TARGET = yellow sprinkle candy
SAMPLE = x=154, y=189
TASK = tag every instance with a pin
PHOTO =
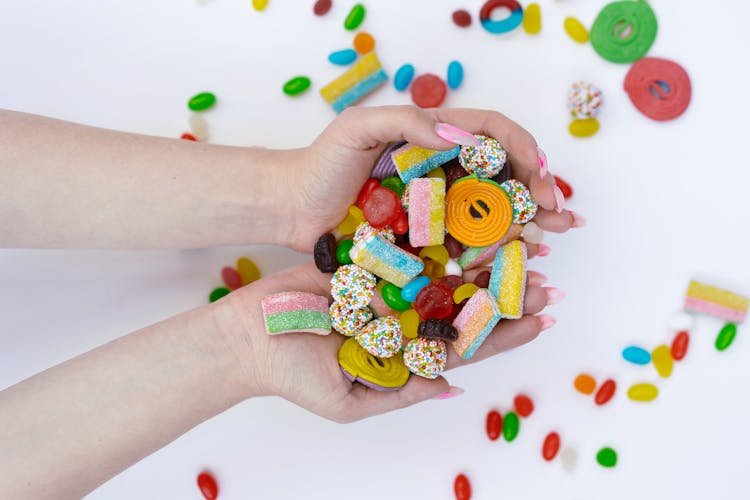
x=576, y=30
x=532, y=19
x=438, y=173
x=249, y=272
x=661, y=357
x=584, y=128
x=260, y=5
x=353, y=219
x=409, y=320
x=464, y=292
x=438, y=253
x=643, y=392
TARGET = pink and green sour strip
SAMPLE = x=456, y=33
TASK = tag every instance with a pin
x=288, y=312
x=475, y=322
x=426, y=212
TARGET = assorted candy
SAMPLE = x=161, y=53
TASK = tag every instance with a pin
x=658, y=88
x=584, y=103
x=245, y=273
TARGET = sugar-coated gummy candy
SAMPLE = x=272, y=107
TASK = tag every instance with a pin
x=486, y=160
x=363, y=42
x=532, y=233
x=392, y=296
x=208, y=485
x=231, y=278
x=636, y=355
x=394, y=183
x=296, y=85
x=352, y=285
x=260, y=5
x=494, y=425
x=437, y=329
x=462, y=487
x=438, y=253
x=434, y=301
x=455, y=74
x=202, y=101
x=464, y=292
x=287, y=312
x=605, y=392
x=607, y=457
x=680, y=345
x=364, y=230
x=354, y=217
x=426, y=357
x=585, y=384
x=428, y=91
x=569, y=459
x=726, y=336
x=523, y=405
x=361, y=79
x=584, y=100
x=381, y=207
x=624, y=42
x=342, y=57
x=532, y=19
x=381, y=337
x=643, y=392
x=322, y=7
x=342, y=251
x=551, y=446
x=482, y=280
x=218, y=293
x=584, y=128
x=325, y=253
x=409, y=321
x=403, y=77
x=576, y=30
x=188, y=137
x=355, y=17
x=348, y=320
x=511, y=426
x=198, y=126
x=567, y=191
x=461, y=18
x=661, y=356
x=410, y=291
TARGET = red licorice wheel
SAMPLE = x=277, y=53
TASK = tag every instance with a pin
x=428, y=91
x=659, y=88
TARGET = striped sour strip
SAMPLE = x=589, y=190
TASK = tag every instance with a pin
x=715, y=301
x=287, y=312
x=508, y=279
x=361, y=79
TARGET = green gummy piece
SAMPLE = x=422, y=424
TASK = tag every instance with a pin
x=342, y=252
x=296, y=85
x=297, y=320
x=218, y=293
x=511, y=425
x=607, y=457
x=610, y=23
x=726, y=336
x=355, y=17
x=395, y=184
x=202, y=101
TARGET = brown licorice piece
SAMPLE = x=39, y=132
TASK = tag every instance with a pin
x=437, y=329
x=325, y=253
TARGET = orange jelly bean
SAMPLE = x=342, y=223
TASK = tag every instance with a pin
x=585, y=384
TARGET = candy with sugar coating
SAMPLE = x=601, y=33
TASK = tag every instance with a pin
x=386, y=260
x=361, y=79
x=381, y=337
x=426, y=212
x=715, y=301
x=413, y=161
x=508, y=279
x=352, y=285
x=426, y=357
x=475, y=322
x=287, y=312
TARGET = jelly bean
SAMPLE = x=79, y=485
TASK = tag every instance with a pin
x=355, y=17
x=325, y=254
x=202, y=101
x=382, y=207
x=567, y=191
x=680, y=345
x=584, y=128
x=392, y=297
x=643, y=392
x=188, y=137
x=342, y=57
x=455, y=75
x=403, y=77
x=198, y=126
x=511, y=426
x=366, y=191
x=437, y=173
x=726, y=336
x=532, y=19
x=452, y=281
x=455, y=249
x=342, y=251
x=231, y=277
x=208, y=486
x=296, y=85
x=434, y=301
x=494, y=425
x=551, y=446
x=353, y=219
x=364, y=43
x=452, y=267
x=523, y=405
x=585, y=384
x=662, y=359
x=437, y=329
x=401, y=224
x=435, y=270
x=218, y=293
x=462, y=487
x=605, y=392
x=569, y=459
x=576, y=30
x=394, y=183
x=607, y=457
x=482, y=280
x=464, y=292
x=461, y=18
x=409, y=320
x=322, y=7
x=260, y=5
x=428, y=91
x=438, y=253
x=248, y=270
x=411, y=289
x=636, y=355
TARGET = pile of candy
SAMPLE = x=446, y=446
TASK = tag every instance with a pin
x=246, y=272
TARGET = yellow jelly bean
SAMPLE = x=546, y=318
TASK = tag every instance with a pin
x=249, y=272
x=260, y=5
x=584, y=128
x=464, y=291
x=643, y=392
x=532, y=19
x=438, y=253
x=438, y=173
x=353, y=218
x=661, y=357
x=576, y=30
x=409, y=320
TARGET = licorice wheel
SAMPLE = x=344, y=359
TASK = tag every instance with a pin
x=623, y=32
x=478, y=212
x=382, y=374
x=659, y=88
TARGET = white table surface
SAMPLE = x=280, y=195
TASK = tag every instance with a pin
x=665, y=202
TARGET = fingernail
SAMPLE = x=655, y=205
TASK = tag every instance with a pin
x=578, y=219
x=454, y=391
x=455, y=135
x=536, y=279
x=544, y=250
x=554, y=295
x=547, y=321
x=542, y=162
x=559, y=200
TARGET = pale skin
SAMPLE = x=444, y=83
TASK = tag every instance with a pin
x=70, y=428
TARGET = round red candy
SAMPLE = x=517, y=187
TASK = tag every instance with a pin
x=567, y=191
x=658, y=88
x=462, y=18
x=434, y=301
x=208, y=486
x=494, y=425
x=381, y=207
x=364, y=193
x=524, y=405
x=452, y=281
x=462, y=487
x=428, y=91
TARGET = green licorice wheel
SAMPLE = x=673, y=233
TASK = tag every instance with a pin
x=624, y=31
x=202, y=101
x=296, y=85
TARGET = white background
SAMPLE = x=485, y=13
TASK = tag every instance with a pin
x=665, y=202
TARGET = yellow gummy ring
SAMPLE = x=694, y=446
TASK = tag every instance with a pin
x=387, y=373
x=478, y=213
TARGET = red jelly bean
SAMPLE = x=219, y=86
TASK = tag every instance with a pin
x=567, y=191
x=462, y=18
x=452, y=281
x=382, y=207
x=551, y=446
x=482, y=279
x=428, y=91
x=231, y=277
x=188, y=137
x=524, y=405
x=401, y=224
x=364, y=193
x=322, y=7
x=434, y=301
x=494, y=425
x=462, y=487
x=605, y=392
x=680, y=345
x=208, y=486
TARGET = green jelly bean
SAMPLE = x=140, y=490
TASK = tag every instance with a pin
x=218, y=293
x=202, y=101
x=511, y=425
x=394, y=183
x=342, y=252
x=296, y=85
x=726, y=336
x=355, y=17
x=392, y=297
x=607, y=457
x=624, y=31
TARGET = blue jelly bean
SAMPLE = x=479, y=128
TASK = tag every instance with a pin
x=343, y=57
x=455, y=74
x=403, y=77
x=412, y=288
x=636, y=355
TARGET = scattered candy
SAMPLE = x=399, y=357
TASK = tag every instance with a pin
x=426, y=357
x=412, y=161
x=322, y=7
x=426, y=212
x=715, y=301
x=584, y=128
x=464, y=292
x=508, y=279
x=662, y=359
x=506, y=25
x=208, y=486
x=584, y=100
x=636, y=355
x=434, y=301
x=358, y=365
x=461, y=18
x=569, y=459
x=381, y=337
x=360, y=80
x=428, y=91
x=576, y=30
x=437, y=329
x=605, y=392
x=296, y=85
x=523, y=405
x=532, y=19
x=411, y=290
x=342, y=57
x=403, y=77
x=352, y=285
x=494, y=425
x=231, y=277
x=260, y=5
x=355, y=17
x=409, y=321
x=607, y=457
x=585, y=384
x=485, y=160
x=680, y=345
x=202, y=101
x=287, y=312
x=643, y=392
x=551, y=446
x=188, y=137
x=477, y=212
x=462, y=487
x=726, y=336
x=348, y=320
x=524, y=206
x=531, y=233
x=475, y=322
x=342, y=251
x=455, y=75
x=474, y=257
x=511, y=425
x=386, y=260
x=658, y=88
x=364, y=43
x=567, y=191
x=680, y=320
x=218, y=293
x=392, y=296
x=624, y=31
x=198, y=126
x=248, y=270
x=324, y=254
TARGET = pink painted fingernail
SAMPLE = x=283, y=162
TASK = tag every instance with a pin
x=559, y=200
x=547, y=321
x=554, y=295
x=536, y=279
x=544, y=250
x=454, y=391
x=455, y=135
x=578, y=219
x=542, y=162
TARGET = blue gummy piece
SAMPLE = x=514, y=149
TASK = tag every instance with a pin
x=411, y=290
x=504, y=25
x=359, y=91
x=455, y=74
x=636, y=355
x=343, y=57
x=403, y=77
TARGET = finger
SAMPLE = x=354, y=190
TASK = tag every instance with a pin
x=536, y=299
x=549, y=220
x=533, y=278
x=366, y=402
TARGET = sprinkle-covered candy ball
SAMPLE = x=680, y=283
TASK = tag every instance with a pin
x=364, y=230
x=381, y=337
x=584, y=101
x=426, y=357
x=352, y=285
x=348, y=320
x=524, y=206
x=485, y=160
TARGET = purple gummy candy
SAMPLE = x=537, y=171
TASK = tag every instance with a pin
x=385, y=166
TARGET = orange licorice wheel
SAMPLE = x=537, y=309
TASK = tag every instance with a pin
x=478, y=213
